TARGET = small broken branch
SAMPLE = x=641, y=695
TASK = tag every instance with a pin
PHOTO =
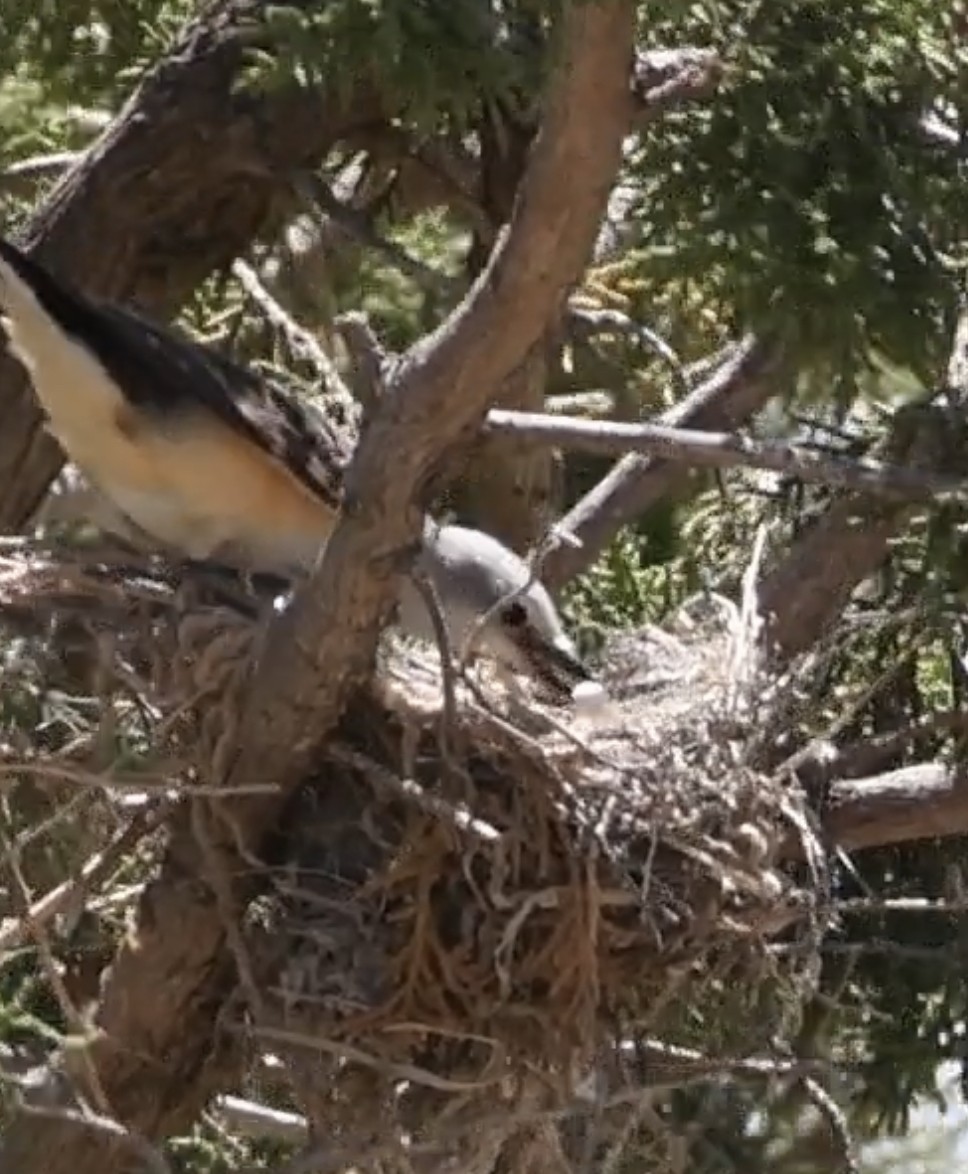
x=721, y=450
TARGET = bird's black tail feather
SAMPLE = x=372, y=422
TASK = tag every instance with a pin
x=58, y=298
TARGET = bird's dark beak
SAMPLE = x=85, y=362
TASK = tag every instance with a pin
x=555, y=664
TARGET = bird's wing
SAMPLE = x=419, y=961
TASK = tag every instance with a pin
x=162, y=373
x=170, y=374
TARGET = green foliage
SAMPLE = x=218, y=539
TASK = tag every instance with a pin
x=807, y=194
x=437, y=60
x=90, y=52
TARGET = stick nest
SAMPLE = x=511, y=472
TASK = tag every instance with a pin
x=463, y=893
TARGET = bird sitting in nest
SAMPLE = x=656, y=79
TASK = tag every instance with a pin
x=215, y=462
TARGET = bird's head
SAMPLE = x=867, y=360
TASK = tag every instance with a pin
x=528, y=636
x=490, y=598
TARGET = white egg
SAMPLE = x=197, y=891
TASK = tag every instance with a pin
x=589, y=695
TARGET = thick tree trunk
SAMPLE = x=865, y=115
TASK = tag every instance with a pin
x=175, y=189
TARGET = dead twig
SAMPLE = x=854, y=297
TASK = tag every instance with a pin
x=728, y=450
x=300, y=341
x=14, y=932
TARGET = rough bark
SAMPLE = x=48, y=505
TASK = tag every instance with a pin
x=156, y=1057
x=175, y=188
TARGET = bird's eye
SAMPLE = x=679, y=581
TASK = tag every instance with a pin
x=515, y=615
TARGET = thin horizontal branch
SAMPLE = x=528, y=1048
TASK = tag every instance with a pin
x=736, y=389
x=252, y=1120
x=914, y=803
x=726, y=450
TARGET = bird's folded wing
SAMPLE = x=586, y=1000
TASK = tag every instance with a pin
x=167, y=373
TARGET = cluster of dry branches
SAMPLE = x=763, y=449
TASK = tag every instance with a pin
x=152, y=1056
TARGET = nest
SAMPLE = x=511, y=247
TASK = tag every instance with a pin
x=477, y=898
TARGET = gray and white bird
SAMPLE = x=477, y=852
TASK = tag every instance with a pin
x=488, y=593
x=216, y=462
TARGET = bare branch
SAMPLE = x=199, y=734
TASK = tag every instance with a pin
x=913, y=803
x=588, y=323
x=15, y=931
x=301, y=341
x=726, y=450
x=739, y=387
x=253, y=1120
x=20, y=176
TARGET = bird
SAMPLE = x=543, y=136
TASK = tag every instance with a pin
x=204, y=455
x=217, y=463
x=489, y=593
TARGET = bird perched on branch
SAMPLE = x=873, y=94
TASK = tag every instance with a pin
x=215, y=462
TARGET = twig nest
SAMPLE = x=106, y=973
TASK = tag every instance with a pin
x=476, y=888
x=504, y=885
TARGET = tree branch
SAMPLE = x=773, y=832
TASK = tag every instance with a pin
x=809, y=589
x=721, y=450
x=913, y=803
x=738, y=388
x=805, y=594
x=157, y=1058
